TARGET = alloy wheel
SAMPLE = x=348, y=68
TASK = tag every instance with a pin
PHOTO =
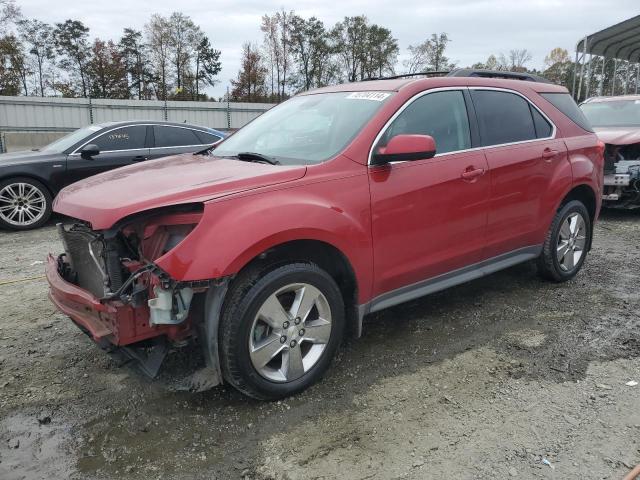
x=22, y=204
x=290, y=332
x=572, y=241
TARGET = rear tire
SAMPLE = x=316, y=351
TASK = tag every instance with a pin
x=566, y=244
x=25, y=204
x=280, y=330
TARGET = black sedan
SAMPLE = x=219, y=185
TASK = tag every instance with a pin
x=30, y=180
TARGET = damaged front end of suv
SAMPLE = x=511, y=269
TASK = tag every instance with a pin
x=616, y=121
x=128, y=274
x=622, y=176
x=107, y=281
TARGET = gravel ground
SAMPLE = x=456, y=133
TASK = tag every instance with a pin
x=505, y=377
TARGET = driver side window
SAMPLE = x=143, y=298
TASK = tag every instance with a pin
x=442, y=115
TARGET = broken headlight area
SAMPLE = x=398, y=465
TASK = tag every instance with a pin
x=117, y=267
x=622, y=176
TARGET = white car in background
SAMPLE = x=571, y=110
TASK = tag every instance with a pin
x=616, y=120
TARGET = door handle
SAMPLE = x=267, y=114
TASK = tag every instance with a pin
x=470, y=173
x=139, y=158
x=548, y=154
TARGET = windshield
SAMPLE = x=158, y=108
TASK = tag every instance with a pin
x=615, y=113
x=71, y=139
x=306, y=129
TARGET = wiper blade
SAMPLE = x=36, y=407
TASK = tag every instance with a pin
x=256, y=157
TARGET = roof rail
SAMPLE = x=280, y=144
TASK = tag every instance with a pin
x=436, y=73
x=478, y=72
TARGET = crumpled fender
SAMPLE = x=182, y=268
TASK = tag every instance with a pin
x=235, y=230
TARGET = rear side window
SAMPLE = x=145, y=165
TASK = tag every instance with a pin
x=442, y=115
x=207, y=138
x=543, y=127
x=503, y=117
x=564, y=103
x=125, y=138
x=174, y=136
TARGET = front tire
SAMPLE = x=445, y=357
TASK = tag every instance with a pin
x=25, y=204
x=280, y=330
x=566, y=244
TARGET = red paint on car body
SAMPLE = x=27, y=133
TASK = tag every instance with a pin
x=396, y=224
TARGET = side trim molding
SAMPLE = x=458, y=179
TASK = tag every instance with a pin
x=446, y=280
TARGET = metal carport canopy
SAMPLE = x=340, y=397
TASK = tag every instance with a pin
x=621, y=41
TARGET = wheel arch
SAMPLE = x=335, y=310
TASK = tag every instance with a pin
x=325, y=255
x=585, y=194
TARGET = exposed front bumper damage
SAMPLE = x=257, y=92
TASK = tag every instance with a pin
x=106, y=284
x=622, y=176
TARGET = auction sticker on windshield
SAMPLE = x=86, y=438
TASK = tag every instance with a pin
x=375, y=96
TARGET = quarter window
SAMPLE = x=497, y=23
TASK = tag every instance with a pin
x=206, y=138
x=174, y=136
x=503, y=117
x=442, y=115
x=543, y=127
x=564, y=102
x=125, y=138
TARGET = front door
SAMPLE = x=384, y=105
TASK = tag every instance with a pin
x=119, y=147
x=429, y=216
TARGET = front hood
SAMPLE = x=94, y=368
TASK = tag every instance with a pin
x=108, y=197
x=28, y=156
x=618, y=136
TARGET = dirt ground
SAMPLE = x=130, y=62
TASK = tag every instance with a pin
x=505, y=377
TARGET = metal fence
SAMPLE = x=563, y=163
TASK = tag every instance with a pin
x=35, y=114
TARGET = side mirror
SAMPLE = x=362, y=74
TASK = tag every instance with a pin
x=89, y=151
x=403, y=148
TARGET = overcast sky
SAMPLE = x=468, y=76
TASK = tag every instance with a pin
x=476, y=28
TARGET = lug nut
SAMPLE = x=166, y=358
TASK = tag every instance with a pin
x=301, y=332
x=293, y=343
x=283, y=338
x=297, y=321
x=285, y=325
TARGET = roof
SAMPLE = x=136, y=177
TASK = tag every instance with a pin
x=395, y=85
x=613, y=99
x=621, y=41
x=157, y=122
x=480, y=72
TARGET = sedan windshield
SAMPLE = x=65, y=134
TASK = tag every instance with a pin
x=71, y=139
x=614, y=113
x=307, y=129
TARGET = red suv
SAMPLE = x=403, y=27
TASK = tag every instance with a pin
x=337, y=203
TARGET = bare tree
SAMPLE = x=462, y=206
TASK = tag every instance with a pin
x=276, y=29
x=269, y=28
x=183, y=37
x=429, y=55
x=515, y=61
x=40, y=45
x=158, y=34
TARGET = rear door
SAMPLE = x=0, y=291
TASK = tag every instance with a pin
x=172, y=140
x=118, y=147
x=522, y=153
x=429, y=216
